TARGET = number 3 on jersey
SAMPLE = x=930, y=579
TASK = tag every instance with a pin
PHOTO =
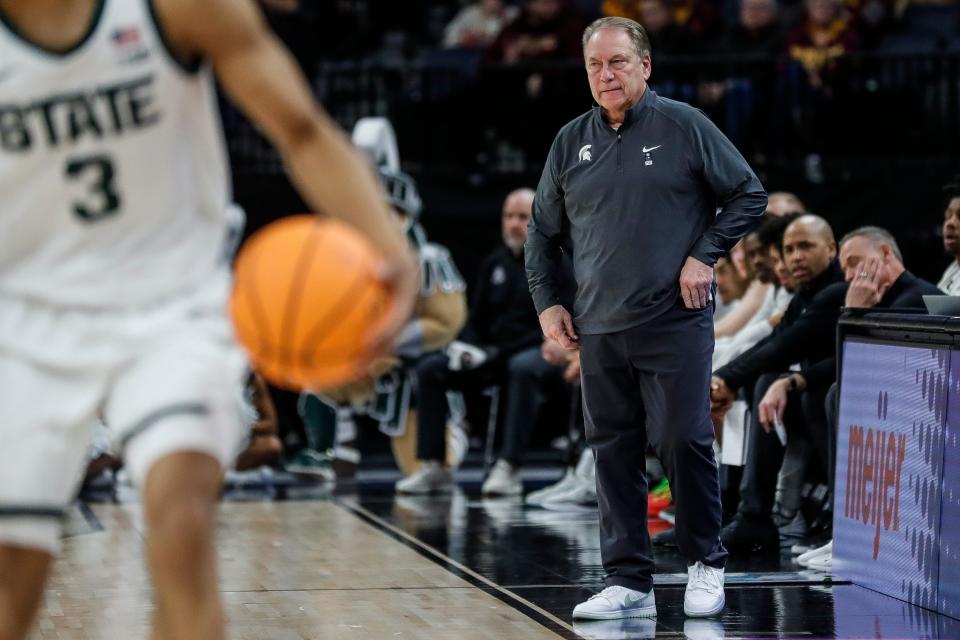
x=98, y=174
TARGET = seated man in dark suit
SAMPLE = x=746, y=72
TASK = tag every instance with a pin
x=806, y=336
x=500, y=344
x=873, y=267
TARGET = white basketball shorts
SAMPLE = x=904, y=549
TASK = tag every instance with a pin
x=164, y=380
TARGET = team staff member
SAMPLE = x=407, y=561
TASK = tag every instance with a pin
x=647, y=194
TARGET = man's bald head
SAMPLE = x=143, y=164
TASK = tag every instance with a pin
x=780, y=203
x=808, y=247
x=814, y=224
x=519, y=198
x=517, y=208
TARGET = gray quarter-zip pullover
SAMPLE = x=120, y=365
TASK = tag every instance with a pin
x=632, y=204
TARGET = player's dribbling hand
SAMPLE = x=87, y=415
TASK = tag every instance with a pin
x=557, y=324
x=400, y=276
x=696, y=283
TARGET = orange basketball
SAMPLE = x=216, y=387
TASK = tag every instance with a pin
x=304, y=296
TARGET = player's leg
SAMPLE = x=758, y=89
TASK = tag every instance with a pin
x=174, y=411
x=44, y=418
x=23, y=573
x=180, y=498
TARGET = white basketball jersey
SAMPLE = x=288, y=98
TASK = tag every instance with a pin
x=113, y=171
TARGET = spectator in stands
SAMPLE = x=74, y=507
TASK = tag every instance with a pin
x=805, y=335
x=544, y=30
x=950, y=281
x=478, y=24
x=757, y=30
x=784, y=276
x=873, y=267
x=731, y=285
x=501, y=343
x=825, y=33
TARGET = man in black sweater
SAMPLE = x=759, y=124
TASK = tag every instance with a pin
x=500, y=343
x=806, y=335
x=648, y=194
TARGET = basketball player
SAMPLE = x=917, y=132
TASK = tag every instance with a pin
x=112, y=293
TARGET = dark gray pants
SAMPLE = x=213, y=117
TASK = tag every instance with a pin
x=651, y=385
x=804, y=417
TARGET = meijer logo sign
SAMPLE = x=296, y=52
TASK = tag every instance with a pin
x=875, y=465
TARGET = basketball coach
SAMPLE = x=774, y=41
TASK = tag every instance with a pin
x=646, y=194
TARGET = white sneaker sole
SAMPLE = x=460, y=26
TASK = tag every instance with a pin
x=538, y=500
x=706, y=614
x=637, y=612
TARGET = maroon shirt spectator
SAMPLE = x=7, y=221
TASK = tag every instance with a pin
x=544, y=30
x=825, y=34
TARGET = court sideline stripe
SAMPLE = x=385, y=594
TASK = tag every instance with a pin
x=526, y=607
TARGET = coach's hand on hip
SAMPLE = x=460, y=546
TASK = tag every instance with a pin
x=557, y=324
x=696, y=281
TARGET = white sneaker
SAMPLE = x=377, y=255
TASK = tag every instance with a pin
x=431, y=477
x=704, y=596
x=582, y=495
x=566, y=483
x=799, y=548
x=804, y=558
x=617, y=602
x=504, y=480
x=822, y=563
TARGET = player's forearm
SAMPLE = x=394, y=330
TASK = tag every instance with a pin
x=336, y=180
